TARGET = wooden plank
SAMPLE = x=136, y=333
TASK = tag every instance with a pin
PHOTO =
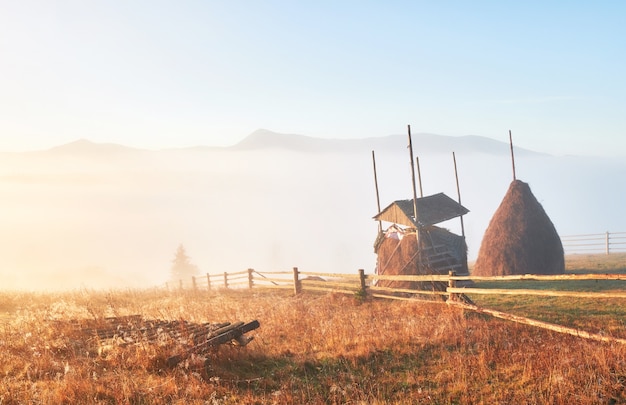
x=405, y=290
x=427, y=277
x=329, y=275
x=276, y=273
x=236, y=273
x=541, y=324
x=274, y=280
x=442, y=259
x=328, y=284
x=547, y=293
x=555, y=277
x=237, y=276
x=393, y=297
x=220, y=336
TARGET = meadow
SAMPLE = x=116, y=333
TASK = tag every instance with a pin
x=315, y=349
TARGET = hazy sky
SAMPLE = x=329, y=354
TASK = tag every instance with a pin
x=156, y=74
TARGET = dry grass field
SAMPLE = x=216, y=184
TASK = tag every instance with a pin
x=310, y=349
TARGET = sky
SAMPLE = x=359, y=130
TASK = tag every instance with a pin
x=161, y=74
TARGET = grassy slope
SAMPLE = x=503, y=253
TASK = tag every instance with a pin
x=314, y=349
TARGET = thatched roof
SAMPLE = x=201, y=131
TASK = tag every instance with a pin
x=430, y=210
x=520, y=238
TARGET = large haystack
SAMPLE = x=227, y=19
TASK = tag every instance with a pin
x=520, y=238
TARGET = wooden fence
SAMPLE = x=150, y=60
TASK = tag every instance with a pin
x=364, y=285
x=367, y=284
x=608, y=242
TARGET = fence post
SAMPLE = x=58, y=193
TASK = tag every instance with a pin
x=607, y=243
x=297, y=286
x=180, y=284
x=193, y=283
x=452, y=284
x=225, y=280
x=208, y=282
x=362, y=279
x=250, y=278
x=167, y=286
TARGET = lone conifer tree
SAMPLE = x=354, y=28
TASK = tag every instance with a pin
x=182, y=268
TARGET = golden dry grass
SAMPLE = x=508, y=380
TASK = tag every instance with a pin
x=311, y=349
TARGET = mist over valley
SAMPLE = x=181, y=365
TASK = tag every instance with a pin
x=103, y=215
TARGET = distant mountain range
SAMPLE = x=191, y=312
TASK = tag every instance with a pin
x=423, y=143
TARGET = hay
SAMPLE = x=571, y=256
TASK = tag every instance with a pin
x=438, y=252
x=520, y=238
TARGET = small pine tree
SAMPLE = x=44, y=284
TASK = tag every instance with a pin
x=182, y=268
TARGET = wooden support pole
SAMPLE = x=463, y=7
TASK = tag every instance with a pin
x=380, y=223
x=180, y=284
x=419, y=175
x=250, y=278
x=458, y=192
x=297, y=286
x=208, y=282
x=452, y=284
x=193, y=283
x=512, y=154
x=412, y=175
x=362, y=279
x=225, y=280
x=608, y=249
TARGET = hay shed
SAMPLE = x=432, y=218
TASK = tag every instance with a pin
x=520, y=238
x=414, y=245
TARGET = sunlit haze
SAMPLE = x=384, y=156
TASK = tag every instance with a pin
x=142, y=83
x=163, y=74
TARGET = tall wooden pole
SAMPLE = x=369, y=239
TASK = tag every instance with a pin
x=419, y=175
x=413, y=176
x=512, y=154
x=380, y=224
x=458, y=192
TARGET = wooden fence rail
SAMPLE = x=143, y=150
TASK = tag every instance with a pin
x=607, y=243
x=366, y=284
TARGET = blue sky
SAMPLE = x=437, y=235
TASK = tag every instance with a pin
x=157, y=74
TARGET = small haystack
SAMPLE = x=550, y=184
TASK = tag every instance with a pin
x=520, y=238
x=434, y=251
x=416, y=246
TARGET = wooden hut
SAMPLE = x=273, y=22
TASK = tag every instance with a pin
x=414, y=245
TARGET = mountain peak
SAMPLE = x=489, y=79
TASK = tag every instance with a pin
x=264, y=139
x=86, y=147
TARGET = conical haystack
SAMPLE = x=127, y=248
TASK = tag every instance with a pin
x=520, y=238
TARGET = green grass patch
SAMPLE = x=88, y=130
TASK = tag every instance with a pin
x=558, y=285
x=596, y=263
x=596, y=315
